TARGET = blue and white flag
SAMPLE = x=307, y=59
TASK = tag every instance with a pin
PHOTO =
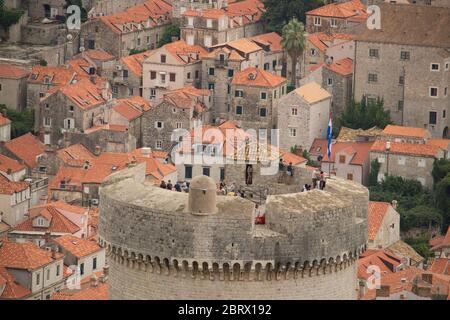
x=329, y=136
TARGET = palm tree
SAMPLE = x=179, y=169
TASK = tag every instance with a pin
x=293, y=41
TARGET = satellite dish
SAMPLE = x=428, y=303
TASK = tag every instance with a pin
x=69, y=37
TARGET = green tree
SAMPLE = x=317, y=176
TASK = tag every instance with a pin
x=293, y=41
x=441, y=168
x=171, y=31
x=373, y=175
x=22, y=122
x=8, y=17
x=279, y=12
x=442, y=199
x=363, y=115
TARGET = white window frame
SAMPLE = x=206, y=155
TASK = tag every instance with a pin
x=294, y=113
x=158, y=127
x=190, y=21
x=209, y=23
x=421, y=163
x=49, y=123
x=435, y=64
x=437, y=92
x=401, y=160
x=158, y=144
x=330, y=82
x=333, y=22
x=317, y=21
x=292, y=132
x=381, y=158
x=260, y=95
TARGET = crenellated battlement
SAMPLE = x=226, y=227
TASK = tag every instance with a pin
x=154, y=231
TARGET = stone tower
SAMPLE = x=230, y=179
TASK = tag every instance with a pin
x=159, y=247
x=202, y=196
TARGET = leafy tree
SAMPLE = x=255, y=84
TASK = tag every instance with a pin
x=136, y=51
x=8, y=17
x=442, y=199
x=280, y=12
x=171, y=31
x=374, y=169
x=22, y=122
x=43, y=62
x=363, y=115
x=293, y=41
x=421, y=246
x=419, y=217
x=441, y=168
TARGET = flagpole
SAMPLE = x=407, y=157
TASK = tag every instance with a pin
x=329, y=137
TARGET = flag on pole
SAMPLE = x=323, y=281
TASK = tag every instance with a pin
x=329, y=135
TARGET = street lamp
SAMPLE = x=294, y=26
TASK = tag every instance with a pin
x=388, y=148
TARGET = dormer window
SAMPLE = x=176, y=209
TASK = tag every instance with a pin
x=221, y=57
x=40, y=222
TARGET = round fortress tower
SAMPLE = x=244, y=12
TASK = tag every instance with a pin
x=173, y=245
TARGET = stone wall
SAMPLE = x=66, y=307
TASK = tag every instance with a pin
x=309, y=234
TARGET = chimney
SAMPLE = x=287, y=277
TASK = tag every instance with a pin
x=47, y=237
x=98, y=150
x=1, y=216
x=394, y=204
x=54, y=250
x=105, y=272
x=94, y=281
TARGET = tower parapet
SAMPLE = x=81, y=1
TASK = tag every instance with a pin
x=162, y=246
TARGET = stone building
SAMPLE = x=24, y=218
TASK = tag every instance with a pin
x=207, y=243
x=178, y=110
x=110, y=7
x=15, y=200
x=85, y=254
x=5, y=128
x=253, y=97
x=408, y=160
x=129, y=112
x=12, y=169
x=137, y=28
x=127, y=77
x=349, y=160
x=73, y=107
x=406, y=67
x=336, y=17
x=35, y=278
x=405, y=134
x=303, y=115
x=180, y=6
x=323, y=48
x=208, y=27
x=26, y=149
x=172, y=66
x=335, y=77
x=13, y=87
x=383, y=225
x=224, y=60
x=107, y=137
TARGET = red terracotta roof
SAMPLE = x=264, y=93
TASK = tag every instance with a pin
x=149, y=14
x=289, y=157
x=25, y=255
x=256, y=77
x=134, y=62
x=322, y=41
x=441, y=242
x=441, y=143
x=57, y=75
x=349, y=9
x=187, y=98
x=77, y=247
x=10, y=187
x=395, y=280
x=441, y=266
x=182, y=52
x=401, y=131
x=271, y=40
x=12, y=72
x=97, y=54
x=359, y=151
x=8, y=164
x=100, y=292
x=26, y=147
x=13, y=289
x=4, y=120
x=58, y=222
x=377, y=211
x=343, y=67
x=132, y=107
x=387, y=262
x=424, y=150
x=84, y=93
x=75, y=154
x=107, y=127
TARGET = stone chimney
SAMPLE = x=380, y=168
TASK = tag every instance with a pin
x=54, y=250
x=94, y=280
x=394, y=204
x=1, y=217
x=98, y=150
